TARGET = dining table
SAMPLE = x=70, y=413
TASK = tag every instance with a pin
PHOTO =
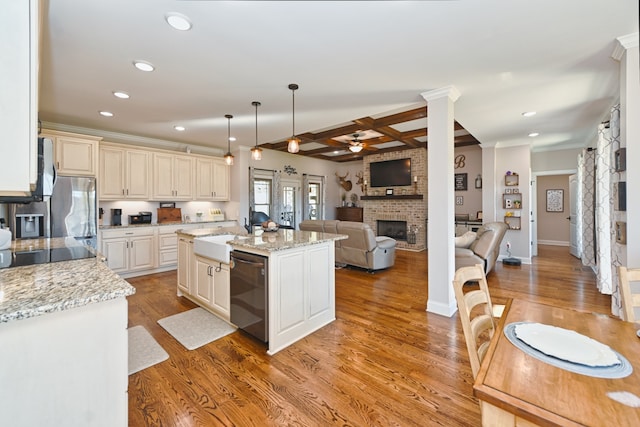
x=518, y=385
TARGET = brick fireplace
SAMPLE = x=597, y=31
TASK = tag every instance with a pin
x=407, y=206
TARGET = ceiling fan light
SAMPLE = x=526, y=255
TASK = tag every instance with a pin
x=294, y=145
x=355, y=148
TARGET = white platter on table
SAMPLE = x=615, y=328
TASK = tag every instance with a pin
x=566, y=344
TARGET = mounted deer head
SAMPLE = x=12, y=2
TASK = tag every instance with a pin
x=360, y=182
x=346, y=185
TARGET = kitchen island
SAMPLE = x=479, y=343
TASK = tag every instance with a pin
x=301, y=278
x=63, y=334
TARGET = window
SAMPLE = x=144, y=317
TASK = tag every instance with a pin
x=315, y=201
x=262, y=195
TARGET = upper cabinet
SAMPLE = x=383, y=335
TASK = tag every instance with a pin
x=19, y=31
x=212, y=179
x=172, y=176
x=124, y=173
x=74, y=154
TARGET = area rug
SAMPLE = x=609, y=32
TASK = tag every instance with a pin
x=196, y=327
x=144, y=350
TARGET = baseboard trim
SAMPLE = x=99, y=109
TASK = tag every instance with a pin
x=553, y=243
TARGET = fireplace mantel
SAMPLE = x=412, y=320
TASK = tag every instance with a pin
x=394, y=196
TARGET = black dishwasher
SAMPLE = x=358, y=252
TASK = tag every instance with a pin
x=249, y=287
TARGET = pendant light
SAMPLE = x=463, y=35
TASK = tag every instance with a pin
x=256, y=152
x=228, y=158
x=294, y=143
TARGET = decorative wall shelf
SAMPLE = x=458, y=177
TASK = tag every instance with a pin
x=394, y=196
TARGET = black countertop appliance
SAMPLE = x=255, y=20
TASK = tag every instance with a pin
x=141, y=218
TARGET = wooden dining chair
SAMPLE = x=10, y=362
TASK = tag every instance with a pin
x=630, y=300
x=476, y=313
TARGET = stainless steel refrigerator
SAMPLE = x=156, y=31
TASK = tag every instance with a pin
x=73, y=209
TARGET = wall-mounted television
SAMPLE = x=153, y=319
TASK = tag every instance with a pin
x=390, y=173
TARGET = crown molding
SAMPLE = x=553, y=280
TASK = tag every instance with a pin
x=448, y=91
x=136, y=140
x=623, y=44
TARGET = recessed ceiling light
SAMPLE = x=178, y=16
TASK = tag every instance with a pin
x=106, y=113
x=529, y=113
x=143, y=65
x=120, y=94
x=179, y=128
x=178, y=21
x=533, y=134
x=232, y=138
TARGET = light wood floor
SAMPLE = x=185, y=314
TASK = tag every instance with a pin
x=384, y=361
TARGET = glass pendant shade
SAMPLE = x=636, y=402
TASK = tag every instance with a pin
x=256, y=153
x=294, y=145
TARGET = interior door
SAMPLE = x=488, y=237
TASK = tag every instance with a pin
x=573, y=216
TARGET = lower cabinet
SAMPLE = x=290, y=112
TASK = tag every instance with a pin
x=186, y=266
x=130, y=249
x=203, y=280
x=212, y=285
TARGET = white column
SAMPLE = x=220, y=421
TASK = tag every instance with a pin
x=441, y=230
x=627, y=53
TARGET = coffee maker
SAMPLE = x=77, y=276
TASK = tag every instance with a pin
x=116, y=216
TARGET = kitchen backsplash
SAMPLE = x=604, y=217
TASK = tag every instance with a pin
x=189, y=209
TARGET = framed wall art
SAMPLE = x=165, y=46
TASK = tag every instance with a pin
x=460, y=182
x=555, y=200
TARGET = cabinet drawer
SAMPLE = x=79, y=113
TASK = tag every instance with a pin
x=128, y=232
x=167, y=241
x=168, y=257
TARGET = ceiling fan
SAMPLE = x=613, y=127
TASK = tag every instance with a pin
x=356, y=145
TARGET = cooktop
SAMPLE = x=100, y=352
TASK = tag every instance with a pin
x=43, y=256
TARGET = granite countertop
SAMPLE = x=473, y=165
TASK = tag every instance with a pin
x=154, y=224
x=34, y=290
x=267, y=241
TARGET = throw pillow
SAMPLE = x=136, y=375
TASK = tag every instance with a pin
x=465, y=240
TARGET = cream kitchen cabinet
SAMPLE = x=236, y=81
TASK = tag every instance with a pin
x=19, y=32
x=212, y=285
x=186, y=267
x=124, y=173
x=172, y=176
x=168, y=243
x=212, y=179
x=74, y=154
x=130, y=249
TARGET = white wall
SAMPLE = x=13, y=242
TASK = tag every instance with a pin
x=556, y=160
x=515, y=159
x=472, y=166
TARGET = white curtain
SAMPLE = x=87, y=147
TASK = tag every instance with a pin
x=587, y=187
x=603, y=208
